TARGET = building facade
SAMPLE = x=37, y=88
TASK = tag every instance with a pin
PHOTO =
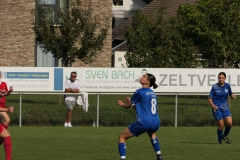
x=18, y=45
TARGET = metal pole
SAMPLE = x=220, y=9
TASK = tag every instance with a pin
x=20, y=110
x=97, y=110
x=229, y=102
x=176, y=104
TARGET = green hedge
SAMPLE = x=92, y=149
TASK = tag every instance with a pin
x=49, y=110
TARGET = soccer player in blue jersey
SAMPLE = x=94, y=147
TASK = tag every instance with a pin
x=144, y=101
x=218, y=100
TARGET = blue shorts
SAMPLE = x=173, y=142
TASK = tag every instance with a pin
x=220, y=114
x=138, y=128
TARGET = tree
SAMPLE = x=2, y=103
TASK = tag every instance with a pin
x=157, y=41
x=70, y=34
x=214, y=26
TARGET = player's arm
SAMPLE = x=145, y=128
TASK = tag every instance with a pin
x=125, y=105
x=133, y=105
x=1, y=94
x=233, y=96
x=9, y=91
x=211, y=103
x=3, y=91
x=10, y=109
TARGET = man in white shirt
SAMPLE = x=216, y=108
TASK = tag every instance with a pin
x=72, y=85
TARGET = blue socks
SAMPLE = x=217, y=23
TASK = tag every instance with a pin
x=155, y=145
x=227, y=130
x=122, y=149
x=219, y=133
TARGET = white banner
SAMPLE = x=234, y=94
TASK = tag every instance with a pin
x=28, y=78
x=116, y=79
x=168, y=79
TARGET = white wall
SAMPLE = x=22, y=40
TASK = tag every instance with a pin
x=128, y=8
x=133, y=4
x=119, y=59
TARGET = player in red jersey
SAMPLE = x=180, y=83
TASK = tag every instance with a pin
x=5, y=135
x=3, y=93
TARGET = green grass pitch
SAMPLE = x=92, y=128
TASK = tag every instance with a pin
x=92, y=143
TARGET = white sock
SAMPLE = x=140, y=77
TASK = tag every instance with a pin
x=158, y=152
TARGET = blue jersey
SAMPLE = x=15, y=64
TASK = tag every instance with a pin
x=145, y=100
x=219, y=95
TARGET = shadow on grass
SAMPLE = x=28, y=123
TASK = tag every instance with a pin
x=198, y=143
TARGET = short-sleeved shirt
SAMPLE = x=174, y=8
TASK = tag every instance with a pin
x=219, y=95
x=72, y=85
x=3, y=86
x=145, y=101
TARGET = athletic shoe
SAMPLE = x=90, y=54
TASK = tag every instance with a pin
x=123, y=159
x=69, y=124
x=219, y=143
x=159, y=157
x=65, y=124
x=226, y=140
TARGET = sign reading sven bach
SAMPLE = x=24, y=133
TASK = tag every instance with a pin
x=116, y=79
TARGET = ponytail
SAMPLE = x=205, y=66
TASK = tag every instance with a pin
x=155, y=86
x=152, y=80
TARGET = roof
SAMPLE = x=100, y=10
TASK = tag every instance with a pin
x=122, y=47
x=172, y=5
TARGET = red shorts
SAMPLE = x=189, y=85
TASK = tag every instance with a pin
x=3, y=105
x=1, y=128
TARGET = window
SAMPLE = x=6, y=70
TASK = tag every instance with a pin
x=52, y=5
x=118, y=2
x=45, y=60
x=42, y=59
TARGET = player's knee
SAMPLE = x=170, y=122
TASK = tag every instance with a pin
x=5, y=133
x=7, y=121
x=121, y=138
x=8, y=135
x=220, y=127
x=229, y=124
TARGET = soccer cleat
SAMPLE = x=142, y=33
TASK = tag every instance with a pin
x=159, y=157
x=226, y=140
x=65, y=124
x=219, y=143
x=69, y=124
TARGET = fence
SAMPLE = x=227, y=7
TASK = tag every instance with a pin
x=175, y=109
